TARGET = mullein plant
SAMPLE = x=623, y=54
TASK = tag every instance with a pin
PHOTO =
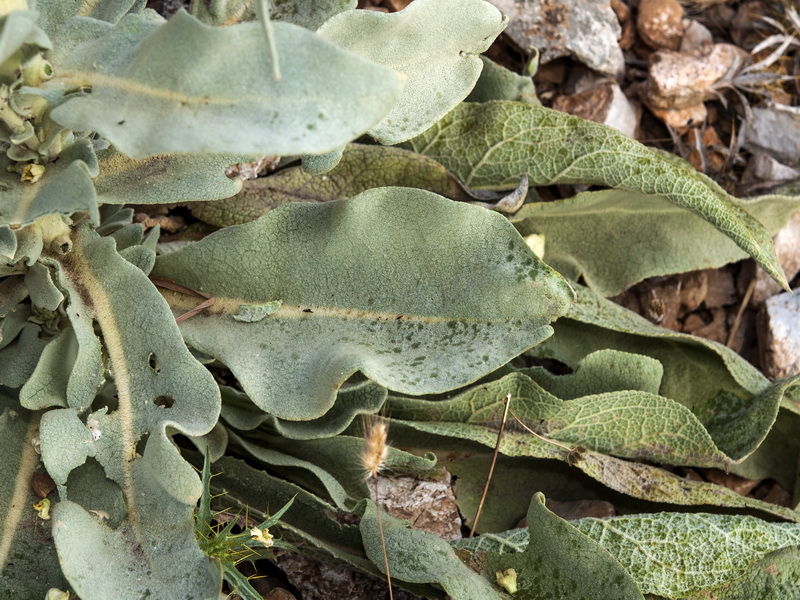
x=104, y=104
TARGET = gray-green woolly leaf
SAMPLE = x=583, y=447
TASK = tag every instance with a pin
x=44, y=293
x=365, y=398
x=434, y=43
x=420, y=557
x=12, y=292
x=491, y=145
x=562, y=563
x=591, y=235
x=215, y=441
x=165, y=178
x=8, y=243
x=602, y=371
x=273, y=458
x=419, y=293
x=160, y=389
x=498, y=83
x=300, y=12
x=28, y=561
x=47, y=385
x=322, y=163
x=88, y=486
x=361, y=168
x=55, y=13
x=627, y=423
x=140, y=257
x=675, y=554
x=774, y=577
x=21, y=346
x=733, y=401
x=18, y=28
x=144, y=104
x=339, y=456
x=65, y=188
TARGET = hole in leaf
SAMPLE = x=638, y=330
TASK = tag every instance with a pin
x=155, y=366
x=164, y=401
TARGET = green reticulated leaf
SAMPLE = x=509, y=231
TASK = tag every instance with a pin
x=562, y=563
x=65, y=189
x=629, y=423
x=637, y=480
x=498, y=83
x=435, y=43
x=419, y=293
x=733, y=401
x=18, y=28
x=54, y=13
x=774, y=577
x=160, y=389
x=365, y=398
x=143, y=101
x=675, y=554
x=28, y=561
x=361, y=168
x=162, y=179
x=489, y=146
x=420, y=557
x=590, y=235
x=602, y=371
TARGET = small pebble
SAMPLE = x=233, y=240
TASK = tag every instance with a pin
x=660, y=23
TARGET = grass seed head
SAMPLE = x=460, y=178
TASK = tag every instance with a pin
x=373, y=455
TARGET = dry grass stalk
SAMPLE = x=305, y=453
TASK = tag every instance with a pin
x=373, y=457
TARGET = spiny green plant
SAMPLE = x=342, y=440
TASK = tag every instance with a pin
x=388, y=289
x=219, y=542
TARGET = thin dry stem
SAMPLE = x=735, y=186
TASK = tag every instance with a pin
x=373, y=457
x=738, y=320
x=506, y=401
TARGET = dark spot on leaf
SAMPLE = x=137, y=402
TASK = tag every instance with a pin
x=307, y=310
x=121, y=122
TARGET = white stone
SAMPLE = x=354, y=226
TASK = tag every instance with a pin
x=780, y=335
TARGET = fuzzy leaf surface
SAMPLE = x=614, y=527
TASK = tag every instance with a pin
x=434, y=43
x=143, y=101
x=54, y=13
x=420, y=293
x=490, y=146
x=365, y=398
x=360, y=169
x=164, y=179
x=300, y=12
x=591, y=235
x=65, y=189
x=160, y=389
